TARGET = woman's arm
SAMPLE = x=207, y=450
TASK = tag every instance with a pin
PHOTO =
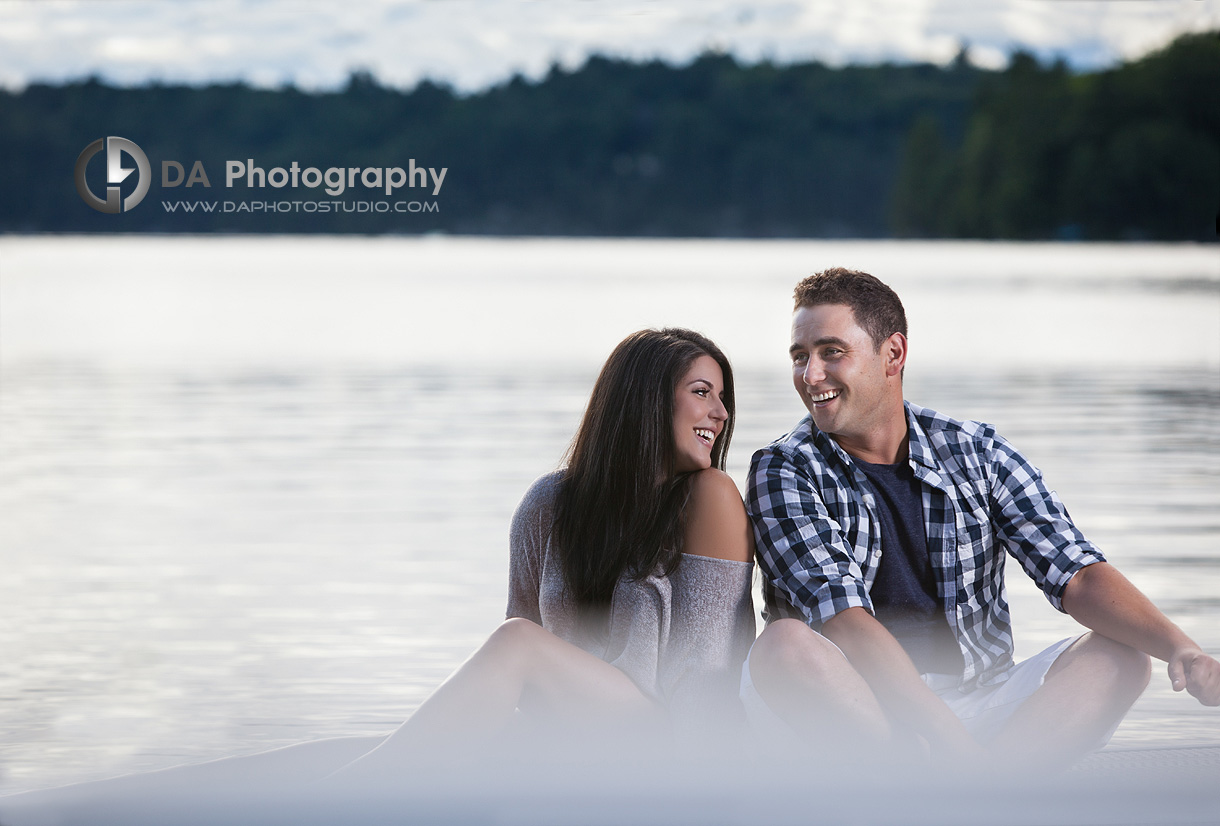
x=527, y=539
x=713, y=623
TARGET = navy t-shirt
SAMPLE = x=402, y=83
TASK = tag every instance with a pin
x=904, y=592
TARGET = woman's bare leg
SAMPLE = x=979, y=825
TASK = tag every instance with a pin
x=521, y=665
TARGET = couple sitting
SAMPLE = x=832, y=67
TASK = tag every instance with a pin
x=881, y=530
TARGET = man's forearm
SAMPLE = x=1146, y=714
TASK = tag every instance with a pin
x=1101, y=598
x=889, y=672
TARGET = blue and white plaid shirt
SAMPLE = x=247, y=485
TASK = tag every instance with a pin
x=819, y=535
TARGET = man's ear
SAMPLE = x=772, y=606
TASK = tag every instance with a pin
x=895, y=351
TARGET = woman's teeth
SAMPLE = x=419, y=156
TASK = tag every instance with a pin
x=705, y=434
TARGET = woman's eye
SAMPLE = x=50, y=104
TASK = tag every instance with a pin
x=702, y=391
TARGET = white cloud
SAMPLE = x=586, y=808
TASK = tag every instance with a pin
x=141, y=51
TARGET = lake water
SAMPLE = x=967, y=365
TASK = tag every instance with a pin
x=257, y=490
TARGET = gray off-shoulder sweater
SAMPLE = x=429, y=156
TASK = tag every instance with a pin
x=681, y=638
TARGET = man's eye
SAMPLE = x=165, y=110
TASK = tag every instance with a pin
x=800, y=358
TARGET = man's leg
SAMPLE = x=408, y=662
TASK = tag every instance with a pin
x=1087, y=691
x=808, y=683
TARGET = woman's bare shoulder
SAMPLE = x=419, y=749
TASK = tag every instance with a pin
x=716, y=521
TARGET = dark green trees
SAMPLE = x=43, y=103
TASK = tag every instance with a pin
x=713, y=148
x=1131, y=153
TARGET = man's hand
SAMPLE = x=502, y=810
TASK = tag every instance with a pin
x=1198, y=673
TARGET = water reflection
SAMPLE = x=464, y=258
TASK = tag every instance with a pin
x=244, y=508
x=200, y=564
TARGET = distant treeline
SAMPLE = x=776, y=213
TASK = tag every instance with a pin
x=713, y=148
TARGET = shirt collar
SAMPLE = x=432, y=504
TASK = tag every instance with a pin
x=921, y=456
x=825, y=445
x=919, y=447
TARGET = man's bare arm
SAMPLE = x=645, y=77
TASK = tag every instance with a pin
x=1101, y=598
x=889, y=672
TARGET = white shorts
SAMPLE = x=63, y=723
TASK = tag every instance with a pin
x=983, y=710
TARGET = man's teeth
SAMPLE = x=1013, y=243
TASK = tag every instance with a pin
x=706, y=434
x=827, y=396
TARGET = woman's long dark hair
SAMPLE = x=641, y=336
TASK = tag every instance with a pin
x=619, y=509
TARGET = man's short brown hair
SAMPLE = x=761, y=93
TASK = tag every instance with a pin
x=876, y=307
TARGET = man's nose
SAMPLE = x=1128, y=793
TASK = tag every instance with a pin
x=813, y=372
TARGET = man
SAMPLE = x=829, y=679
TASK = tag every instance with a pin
x=882, y=526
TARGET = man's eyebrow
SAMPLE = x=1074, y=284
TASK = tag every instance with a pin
x=821, y=342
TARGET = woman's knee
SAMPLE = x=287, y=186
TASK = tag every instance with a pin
x=516, y=638
x=527, y=646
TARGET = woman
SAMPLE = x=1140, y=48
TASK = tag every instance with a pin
x=629, y=594
x=629, y=607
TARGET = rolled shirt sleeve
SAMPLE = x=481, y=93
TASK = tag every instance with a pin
x=805, y=555
x=1034, y=524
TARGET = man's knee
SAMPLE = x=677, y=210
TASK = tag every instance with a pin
x=1133, y=668
x=1121, y=666
x=808, y=683
x=788, y=649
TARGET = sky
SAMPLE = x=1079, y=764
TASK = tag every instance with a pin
x=471, y=45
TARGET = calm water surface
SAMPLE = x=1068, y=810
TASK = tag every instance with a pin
x=256, y=490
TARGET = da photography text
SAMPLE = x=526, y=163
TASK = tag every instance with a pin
x=182, y=176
